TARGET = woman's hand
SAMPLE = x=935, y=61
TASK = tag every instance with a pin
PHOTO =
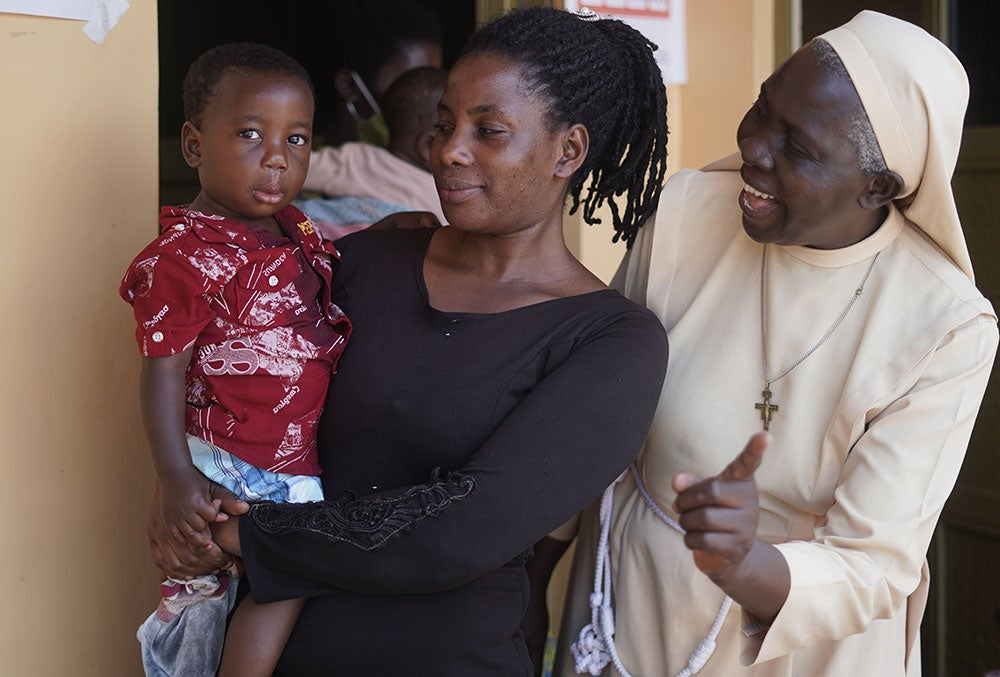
x=186, y=561
x=720, y=514
x=226, y=535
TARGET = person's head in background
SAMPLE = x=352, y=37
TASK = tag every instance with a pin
x=248, y=109
x=366, y=45
x=410, y=109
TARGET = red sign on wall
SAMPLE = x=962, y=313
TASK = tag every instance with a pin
x=654, y=9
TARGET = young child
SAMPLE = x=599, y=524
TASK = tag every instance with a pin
x=238, y=338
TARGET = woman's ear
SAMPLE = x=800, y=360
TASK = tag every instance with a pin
x=191, y=145
x=882, y=189
x=346, y=89
x=575, y=144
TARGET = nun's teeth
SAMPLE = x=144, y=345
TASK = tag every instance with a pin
x=753, y=191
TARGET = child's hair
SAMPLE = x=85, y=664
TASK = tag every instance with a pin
x=602, y=74
x=208, y=70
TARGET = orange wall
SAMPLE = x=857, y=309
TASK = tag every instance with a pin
x=78, y=174
x=730, y=52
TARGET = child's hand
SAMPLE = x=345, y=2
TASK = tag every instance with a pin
x=187, y=506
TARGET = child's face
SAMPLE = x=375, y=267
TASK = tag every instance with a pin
x=252, y=147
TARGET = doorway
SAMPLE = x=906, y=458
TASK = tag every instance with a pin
x=301, y=28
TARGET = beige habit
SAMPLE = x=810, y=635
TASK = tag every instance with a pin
x=872, y=427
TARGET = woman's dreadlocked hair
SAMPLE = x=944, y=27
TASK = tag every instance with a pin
x=599, y=73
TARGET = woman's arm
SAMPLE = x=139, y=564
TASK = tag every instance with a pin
x=866, y=555
x=564, y=442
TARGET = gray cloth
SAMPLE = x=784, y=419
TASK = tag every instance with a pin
x=185, y=635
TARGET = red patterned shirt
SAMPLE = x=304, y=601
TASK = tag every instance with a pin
x=256, y=308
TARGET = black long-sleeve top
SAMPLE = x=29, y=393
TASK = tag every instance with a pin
x=450, y=442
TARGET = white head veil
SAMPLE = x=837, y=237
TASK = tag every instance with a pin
x=915, y=92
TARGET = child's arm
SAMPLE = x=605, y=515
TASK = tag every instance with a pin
x=185, y=502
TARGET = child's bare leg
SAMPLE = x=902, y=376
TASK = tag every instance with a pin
x=257, y=636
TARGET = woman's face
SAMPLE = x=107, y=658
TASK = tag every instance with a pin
x=496, y=160
x=795, y=150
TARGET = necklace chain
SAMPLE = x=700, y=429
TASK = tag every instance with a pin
x=767, y=407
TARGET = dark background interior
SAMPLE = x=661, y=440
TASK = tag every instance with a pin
x=301, y=28
x=298, y=27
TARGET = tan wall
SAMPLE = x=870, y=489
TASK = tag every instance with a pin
x=730, y=52
x=78, y=174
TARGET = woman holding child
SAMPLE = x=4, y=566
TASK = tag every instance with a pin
x=492, y=386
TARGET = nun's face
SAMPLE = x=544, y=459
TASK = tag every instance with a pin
x=804, y=185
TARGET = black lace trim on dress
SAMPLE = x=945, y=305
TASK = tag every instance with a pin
x=521, y=558
x=366, y=522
